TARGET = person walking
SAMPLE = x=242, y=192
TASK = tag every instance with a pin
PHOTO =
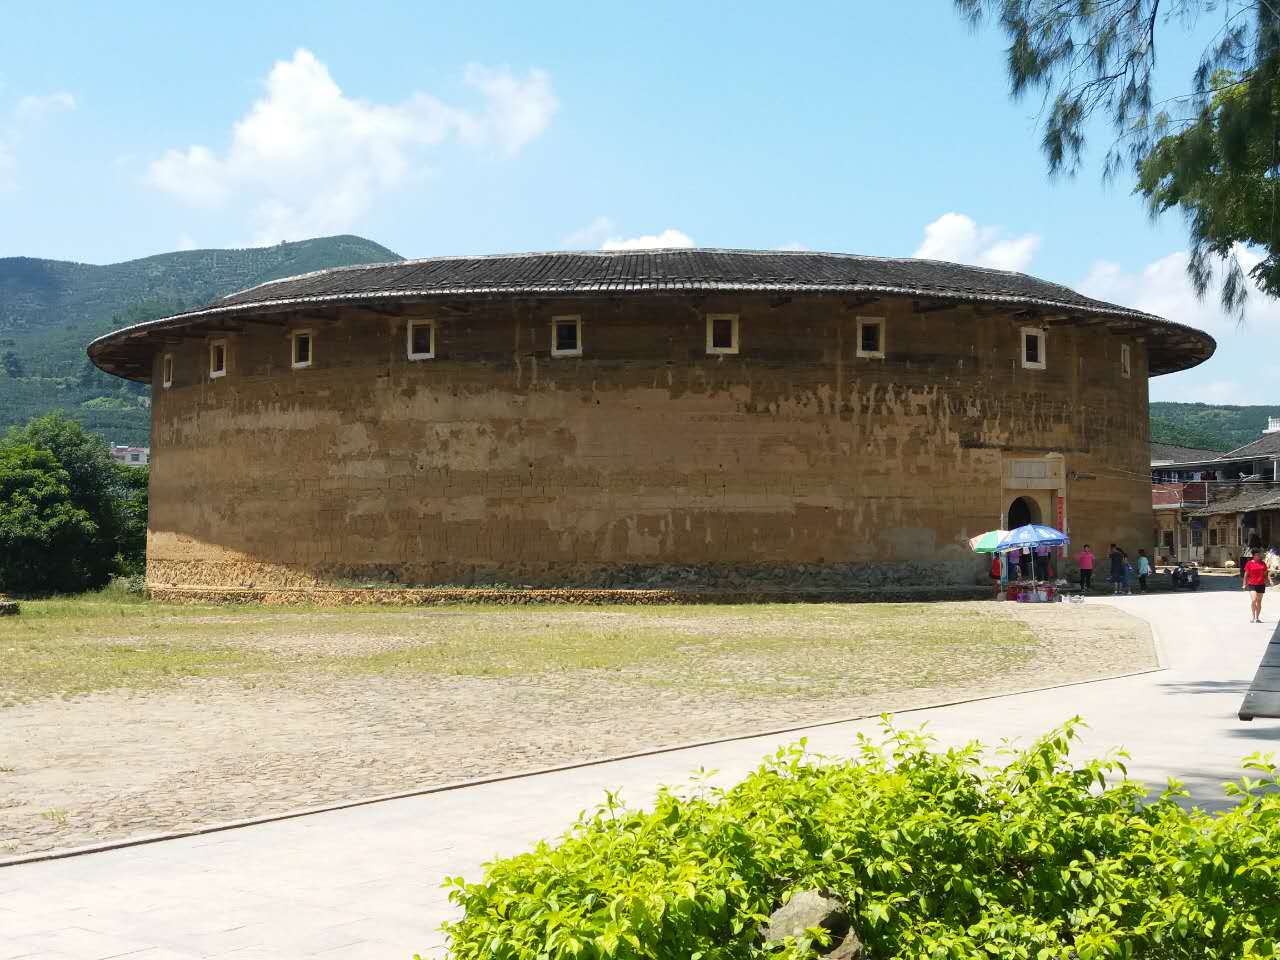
x=1255, y=579
x=1085, y=560
x=1144, y=570
x=1116, y=559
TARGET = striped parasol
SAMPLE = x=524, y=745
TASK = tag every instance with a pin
x=987, y=542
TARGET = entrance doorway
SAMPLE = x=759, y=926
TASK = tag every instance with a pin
x=1022, y=511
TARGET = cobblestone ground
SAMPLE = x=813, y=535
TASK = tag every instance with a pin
x=121, y=763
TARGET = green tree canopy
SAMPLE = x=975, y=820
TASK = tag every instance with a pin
x=44, y=536
x=113, y=497
x=1221, y=177
x=1210, y=150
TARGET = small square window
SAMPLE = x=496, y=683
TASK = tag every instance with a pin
x=302, y=349
x=166, y=367
x=217, y=359
x=420, y=341
x=722, y=333
x=871, y=338
x=1033, y=343
x=135, y=457
x=1126, y=360
x=566, y=336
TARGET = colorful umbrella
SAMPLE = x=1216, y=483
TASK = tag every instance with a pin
x=987, y=542
x=1032, y=535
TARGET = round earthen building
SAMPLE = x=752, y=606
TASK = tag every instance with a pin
x=697, y=417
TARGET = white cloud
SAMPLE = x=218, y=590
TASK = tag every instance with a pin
x=792, y=247
x=518, y=110
x=185, y=242
x=592, y=235
x=959, y=239
x=667, y=238
x=26, y=112
x=37, y=107
x=1162, y=288
x=310, y=159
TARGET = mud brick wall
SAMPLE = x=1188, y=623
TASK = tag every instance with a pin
x=643, y=462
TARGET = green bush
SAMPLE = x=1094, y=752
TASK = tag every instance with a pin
x=938, y=854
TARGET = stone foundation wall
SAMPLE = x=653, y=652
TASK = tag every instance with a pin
x=645, y=462
x=439, y=596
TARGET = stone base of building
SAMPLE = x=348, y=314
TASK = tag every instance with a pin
x=237, y=574
x=440, y=596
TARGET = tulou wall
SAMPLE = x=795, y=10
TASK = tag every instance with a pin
x=645, y=460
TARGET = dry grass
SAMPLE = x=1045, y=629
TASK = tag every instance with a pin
x=65, y=647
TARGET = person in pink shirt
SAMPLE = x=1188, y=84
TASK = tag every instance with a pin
x=1254, y=579
x=1085, y=560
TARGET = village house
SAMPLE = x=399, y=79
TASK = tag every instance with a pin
x=1179, y=535
x=1257, y=460
x=130, y=456
x=1210, y=509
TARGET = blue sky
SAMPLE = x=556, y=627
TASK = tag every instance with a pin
x=443, y=128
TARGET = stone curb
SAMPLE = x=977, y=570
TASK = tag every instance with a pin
x=542, y=771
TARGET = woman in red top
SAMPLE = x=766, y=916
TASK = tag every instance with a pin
x=1255, y=579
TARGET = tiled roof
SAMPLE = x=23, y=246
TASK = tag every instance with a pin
x=1242, y=498
x=674, y=272
x=1166, y=453
x=1268, y=445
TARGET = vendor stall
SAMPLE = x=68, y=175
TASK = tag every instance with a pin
x=1030, y=550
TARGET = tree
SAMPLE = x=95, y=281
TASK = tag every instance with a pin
x=1221, y=179
x=1097, y=59
x=94, y=481
x=132, y=502
x=44, y=536
x=12, y=364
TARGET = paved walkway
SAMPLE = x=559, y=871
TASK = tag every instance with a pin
x=364, y=882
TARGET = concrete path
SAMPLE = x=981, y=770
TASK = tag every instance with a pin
x=364, y=882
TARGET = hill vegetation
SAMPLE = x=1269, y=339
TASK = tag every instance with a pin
x=51, y=309
x=1207, y=425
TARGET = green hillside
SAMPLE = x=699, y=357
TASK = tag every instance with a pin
x=51, y=309
x=1207, y=425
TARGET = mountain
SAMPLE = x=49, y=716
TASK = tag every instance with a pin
x=1207, y=425
x=51, y=309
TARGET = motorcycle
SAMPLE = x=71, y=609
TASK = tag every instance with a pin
x=1184, y=577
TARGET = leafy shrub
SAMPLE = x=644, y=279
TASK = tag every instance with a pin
x=938, y=855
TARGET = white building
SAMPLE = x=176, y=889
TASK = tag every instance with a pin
x=130, y=456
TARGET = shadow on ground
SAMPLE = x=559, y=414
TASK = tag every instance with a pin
x=1206, y=686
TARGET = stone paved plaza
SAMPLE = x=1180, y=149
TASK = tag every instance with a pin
x=365, y=882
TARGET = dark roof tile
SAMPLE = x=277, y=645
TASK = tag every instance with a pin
x=555, y=275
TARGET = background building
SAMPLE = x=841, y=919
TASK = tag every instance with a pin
x=130, y=456
x=696, y=417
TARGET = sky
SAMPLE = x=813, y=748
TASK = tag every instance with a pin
x=459, y=128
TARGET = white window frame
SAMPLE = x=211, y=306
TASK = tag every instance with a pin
x=166, y=370
x=1126, y=361
x=734, y=342
x=1040, y=334
x=408, y=339
x=294, y=362
x=576, y=319
x=226, y=358
x=864, y=322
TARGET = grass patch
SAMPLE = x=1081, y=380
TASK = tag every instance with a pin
x=111, y=640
